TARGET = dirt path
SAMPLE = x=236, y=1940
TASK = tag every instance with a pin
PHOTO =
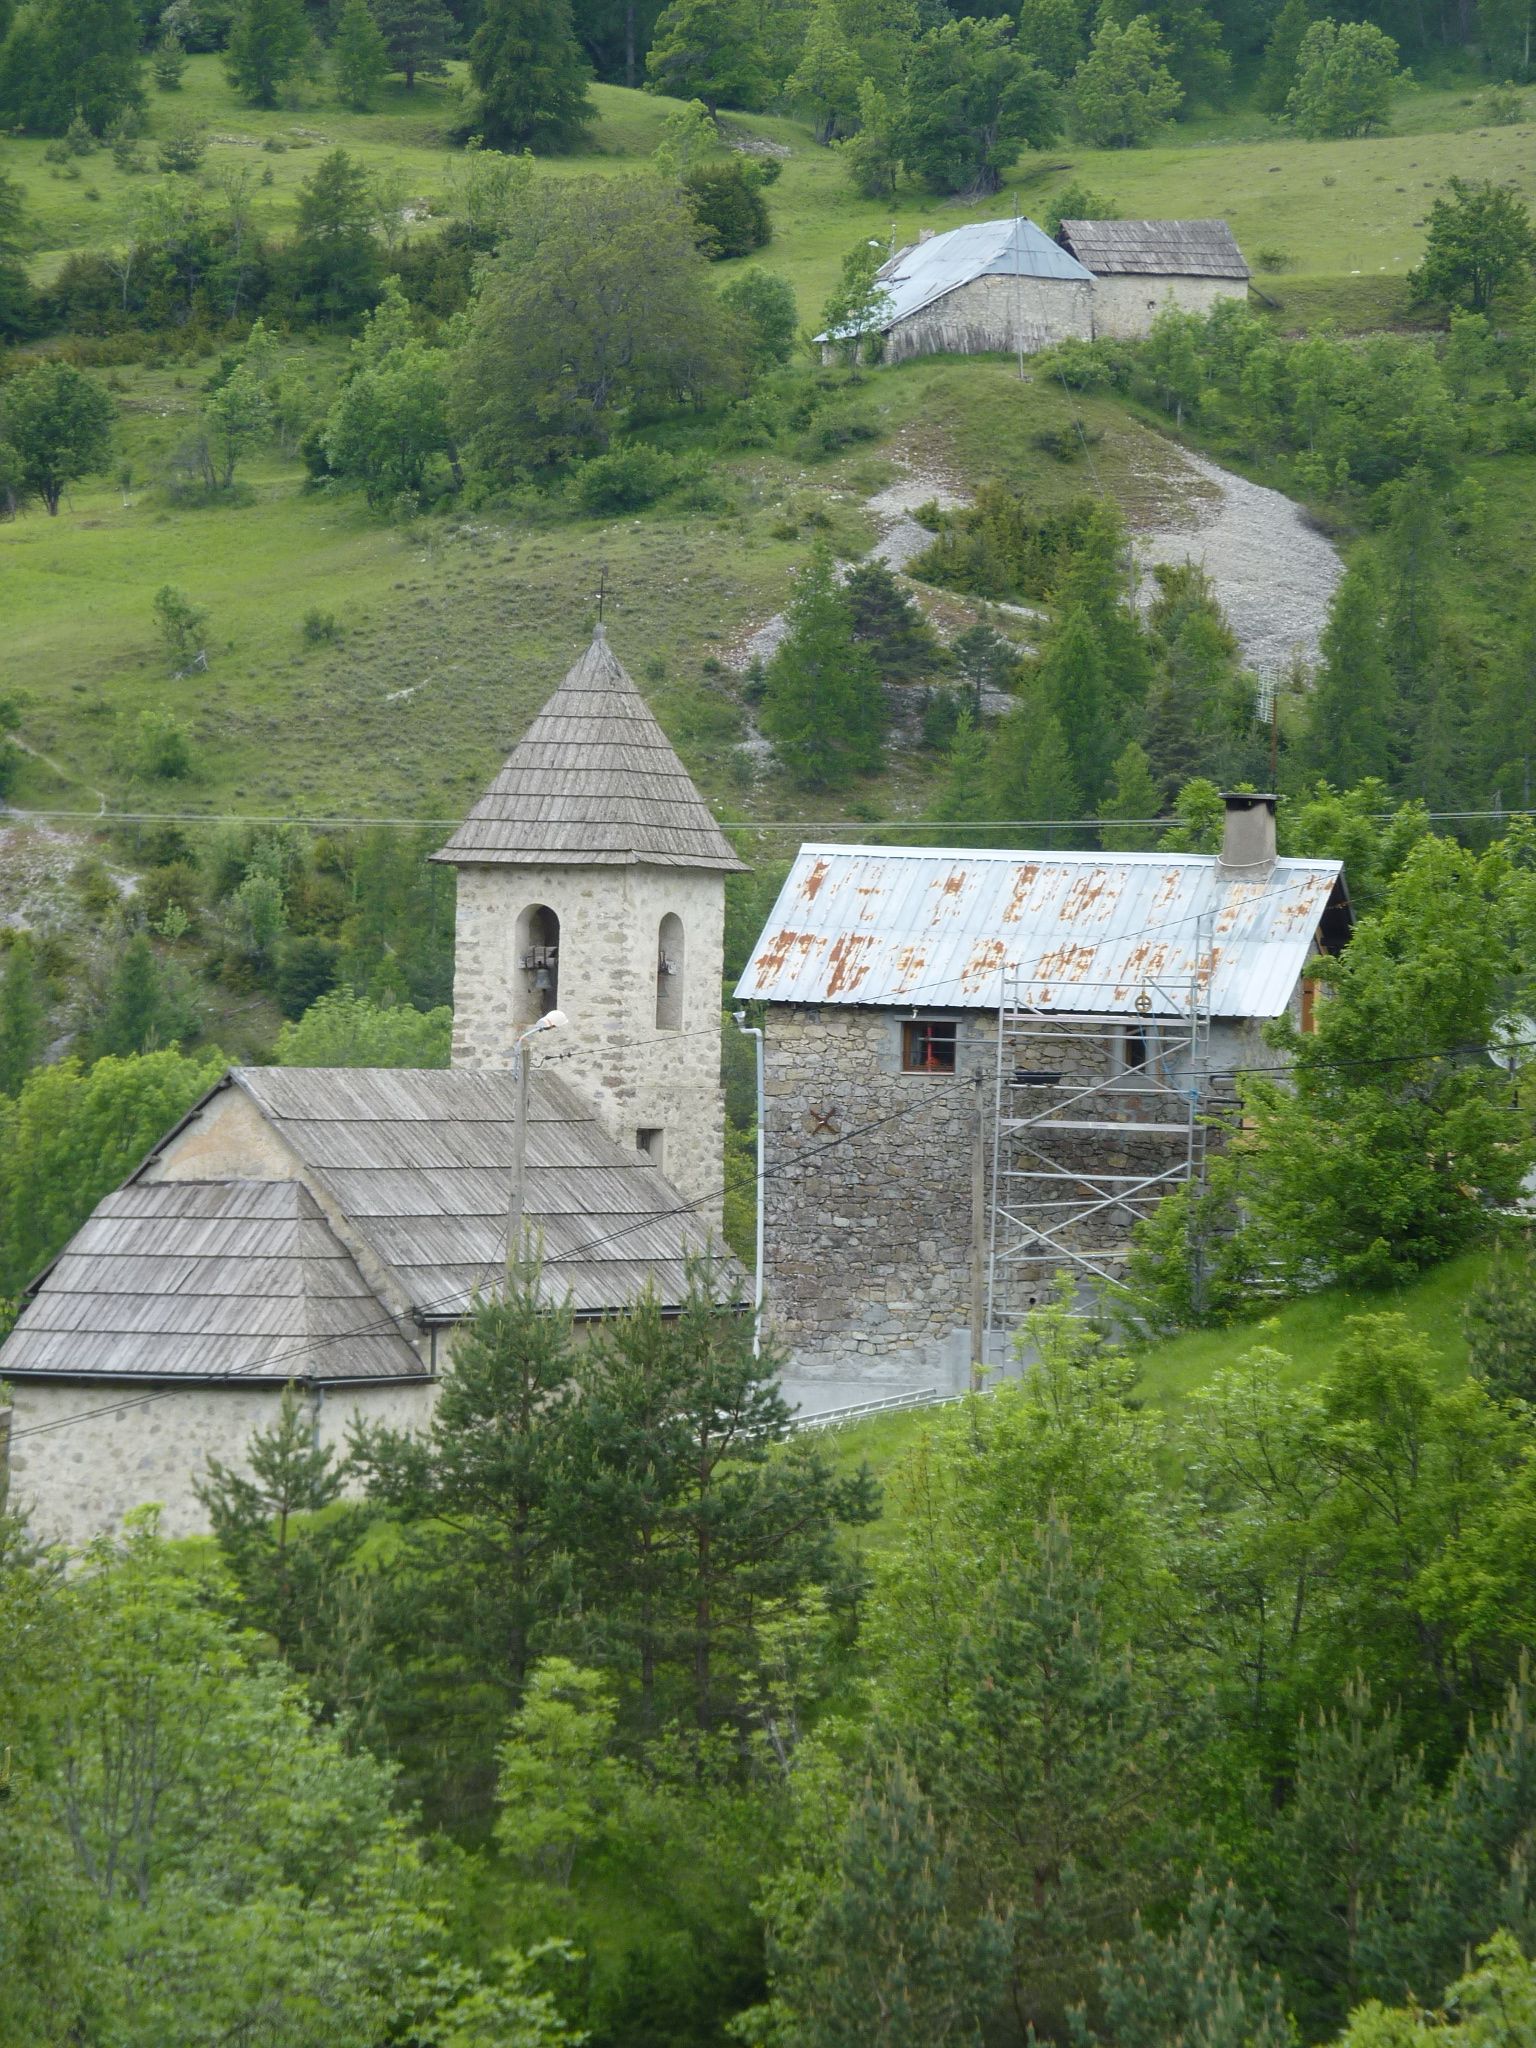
x=1273, y=574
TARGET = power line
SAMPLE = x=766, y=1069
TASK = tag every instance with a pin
x=446, y=1302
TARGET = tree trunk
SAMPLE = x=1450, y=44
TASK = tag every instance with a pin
x=629, y=43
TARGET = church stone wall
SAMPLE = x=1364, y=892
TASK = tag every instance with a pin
x=1124, y=307
x=81, y=1480
x=636, y=1076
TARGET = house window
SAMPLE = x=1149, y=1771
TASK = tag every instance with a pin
x=928, y=1047
x=648, y=1145
x=1133, y=1049
x=669, y=973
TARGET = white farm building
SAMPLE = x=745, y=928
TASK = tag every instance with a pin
x=1005, y=285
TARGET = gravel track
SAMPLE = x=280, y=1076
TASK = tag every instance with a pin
x=1273, y=574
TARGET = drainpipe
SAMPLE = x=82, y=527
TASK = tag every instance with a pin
x=739, y=1018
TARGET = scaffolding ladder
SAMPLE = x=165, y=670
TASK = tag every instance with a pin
x=1100, y=1113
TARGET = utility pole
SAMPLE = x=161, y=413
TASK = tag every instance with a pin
x=754, y=1032
x=517, y=1194
x=978, y=1236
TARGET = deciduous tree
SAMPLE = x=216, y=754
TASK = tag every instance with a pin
x=1481, y=241
x=1347, y=75
x=70, y=59
x=341, y=1029
x=1124, y=92
x=708, y=50
x=973, y=100
x=60, y=424
x=22, y=1016
x=1280, y=54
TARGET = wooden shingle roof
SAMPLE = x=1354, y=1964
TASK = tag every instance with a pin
x=593, y=782
x=1154, y=248
x=418, y=1162
x=208, y=1280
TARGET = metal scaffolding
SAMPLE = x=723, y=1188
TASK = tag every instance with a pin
x=1100, y=1113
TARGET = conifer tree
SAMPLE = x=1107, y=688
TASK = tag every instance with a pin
x=65, y=59
x=359, y=56
x=1074, y=690
x=963, y=793
x=986, y=661
x=267, y=42
x=891, y=1954
x=144, y=1012
x=21, y=1017
x=823, y=707
x=1501, y=1320
x=1349, y=734
x=1185, y=706
x=890, y=625
x=418, y=35
x=253, y=1516
x=1133, y=793
x=1029, y=773
x=827, y=78
x=1280, y=54
x=530, y=74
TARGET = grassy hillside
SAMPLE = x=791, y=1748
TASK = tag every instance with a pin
x=1308, y=1332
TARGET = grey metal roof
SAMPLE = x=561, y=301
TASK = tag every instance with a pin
x=1155, y=248
x=916, y=276
x=593, y=782
x=1087, y=932
x=419, y=1164
x=201, y=1280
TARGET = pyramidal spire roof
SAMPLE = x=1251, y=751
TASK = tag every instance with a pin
x=593, y=782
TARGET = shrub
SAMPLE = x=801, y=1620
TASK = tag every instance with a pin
x=320, y=628
x=727, y=203
x=163, y=752
x=1272, y=260
x=183, y=149
x=628, y=476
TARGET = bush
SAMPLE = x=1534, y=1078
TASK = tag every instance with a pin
x=628, y=476
x=727, y=203
x=320, y=628
x=183, y=149
x=163, y=752
x=1272, y=260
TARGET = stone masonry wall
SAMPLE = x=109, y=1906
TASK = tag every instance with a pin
x=636, y=1076
x=996, y=313
x=868, y=1242
x=80, y=1481
x=1124, y=308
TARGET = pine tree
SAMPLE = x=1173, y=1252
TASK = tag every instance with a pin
x=890, y=1954
x=419, y=36
x=291, y=1474
x=1133, y=793
x=1280, y=54
x=144, y=1012
x=890, y=625
x=1185, y=706
x=530, y=74
x=1501, y=1320
x=359, y=56
x=267, y=41
x=1074, y=689
x=69, y=59
x=1194, y=1985
x=963, y=794
x=1349, y=732
x=22, y=1017
x=823, y=707
x=1046, y=788
x=986, y=661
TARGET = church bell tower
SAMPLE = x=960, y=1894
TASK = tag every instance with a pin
x=591, y=879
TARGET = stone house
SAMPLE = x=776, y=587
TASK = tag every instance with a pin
x=982, y=1068
x=997, y=284
x=1141, y=267
x=330, y=1228
x=1005, y=285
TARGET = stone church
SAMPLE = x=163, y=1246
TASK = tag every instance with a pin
x=331, y=1227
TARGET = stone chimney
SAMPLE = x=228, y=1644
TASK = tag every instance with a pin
x=1248, y=835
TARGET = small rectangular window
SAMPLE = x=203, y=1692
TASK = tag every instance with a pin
x=928, y=1047
x=648, y=1145
x=1134, y=1049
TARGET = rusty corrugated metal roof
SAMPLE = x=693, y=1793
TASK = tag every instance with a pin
x=1086, y=932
